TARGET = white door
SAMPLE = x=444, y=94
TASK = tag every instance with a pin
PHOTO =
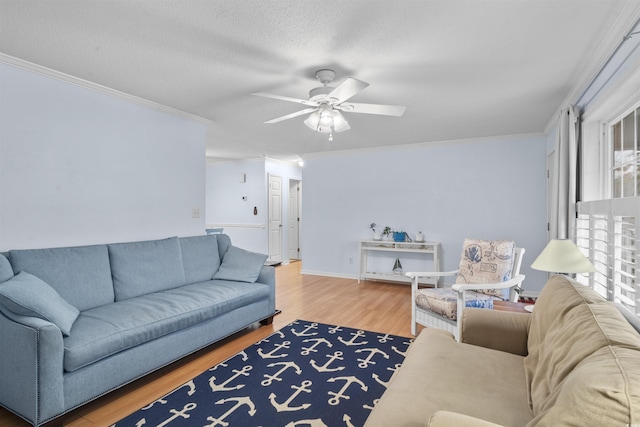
x=294, y=219
x=275, y=219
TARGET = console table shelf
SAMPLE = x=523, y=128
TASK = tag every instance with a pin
x=394, y=249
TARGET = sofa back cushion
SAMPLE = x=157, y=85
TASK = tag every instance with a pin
x=81, y=275
x=223, y=244
x=602, y=390
x=200, y=257
x=140, y=268
x=6, y=271
x=570, y=323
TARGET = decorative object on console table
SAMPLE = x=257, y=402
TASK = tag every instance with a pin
x=386, y=232
x=397, y=267
x=376, y=234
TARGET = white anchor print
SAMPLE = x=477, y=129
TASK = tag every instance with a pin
x=352, y=341
x=275, y=377
x=240, y=401
x=305, y=332
x=183, y=413
x=222, y=387
x=340, y=394
x=316, y=342
x=325, y=368
x=271, y=354
x=281, y=407
x=364, y=363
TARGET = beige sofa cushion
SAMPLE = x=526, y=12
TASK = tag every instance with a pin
x=603, y=390
x=442, y=375
x=570, y=325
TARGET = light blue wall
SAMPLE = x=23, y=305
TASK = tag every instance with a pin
x=492, y=188
x=81, y=167
x=225, y=206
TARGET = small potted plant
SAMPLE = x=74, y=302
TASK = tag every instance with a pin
x=386, y=233
x=376, y=235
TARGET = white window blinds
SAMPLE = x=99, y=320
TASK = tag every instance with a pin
x=607, y=231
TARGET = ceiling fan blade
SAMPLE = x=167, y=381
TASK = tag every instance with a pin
x=286, y=98
x=383, y=110
x=292, y=115
x=347, y=89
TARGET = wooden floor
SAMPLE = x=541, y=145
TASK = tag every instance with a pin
x=375, y=306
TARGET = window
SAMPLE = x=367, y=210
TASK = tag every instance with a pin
x=626, y=155
x=607, y=232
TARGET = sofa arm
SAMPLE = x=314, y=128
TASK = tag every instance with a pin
x=498, y=330
x=448, y=419
x=268, y=277
x=31, y=357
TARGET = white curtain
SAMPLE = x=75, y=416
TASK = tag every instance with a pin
x=564, y=188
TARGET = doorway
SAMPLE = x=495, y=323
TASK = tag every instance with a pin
x=275, y=219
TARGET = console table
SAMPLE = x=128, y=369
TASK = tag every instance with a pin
x=393, y=250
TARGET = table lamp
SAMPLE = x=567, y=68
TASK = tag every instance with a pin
x=562, y=256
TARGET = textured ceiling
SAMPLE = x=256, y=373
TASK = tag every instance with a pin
x=463, y=69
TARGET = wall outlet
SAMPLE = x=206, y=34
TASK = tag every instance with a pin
x=195, y=213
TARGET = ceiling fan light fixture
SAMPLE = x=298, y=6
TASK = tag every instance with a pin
x=313, y=121
x=326, y=118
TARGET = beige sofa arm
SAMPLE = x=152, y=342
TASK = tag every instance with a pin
x=498, y=330
x=450, y=419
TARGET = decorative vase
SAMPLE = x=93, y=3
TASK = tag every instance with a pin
x=377, y=236
x=399, y=236
x=419, y=237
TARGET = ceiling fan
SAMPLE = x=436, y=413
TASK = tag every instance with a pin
x=325, y=104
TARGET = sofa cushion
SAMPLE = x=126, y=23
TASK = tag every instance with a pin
x=26, y=295
x=6, y=272
x=240, y=265
x=140, y=268
x=103, y=331
x=602, y=390
x=200, y=257
x=570, y=323
x=486, y=261
x=444, y=301
x=81, y=274
x=441, y=374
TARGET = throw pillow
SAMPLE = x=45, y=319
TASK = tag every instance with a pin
x=27, y=295
x=240, y=265
x=486, y=261
x=6, y=271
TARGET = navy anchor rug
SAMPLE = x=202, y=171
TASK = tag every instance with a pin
x=306, y=374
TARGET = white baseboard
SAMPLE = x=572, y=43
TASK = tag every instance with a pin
x=323, y=273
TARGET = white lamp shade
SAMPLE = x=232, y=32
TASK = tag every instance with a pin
x=562, y=256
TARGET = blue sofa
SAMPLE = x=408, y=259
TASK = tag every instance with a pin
x=78, y=322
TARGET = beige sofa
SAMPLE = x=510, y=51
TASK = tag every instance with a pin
x=575, y=361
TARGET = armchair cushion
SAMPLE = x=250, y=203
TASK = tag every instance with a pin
x=443, y=301
x=486, y=261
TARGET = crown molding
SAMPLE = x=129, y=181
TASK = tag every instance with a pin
x=30, y=66
x=626, y=19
